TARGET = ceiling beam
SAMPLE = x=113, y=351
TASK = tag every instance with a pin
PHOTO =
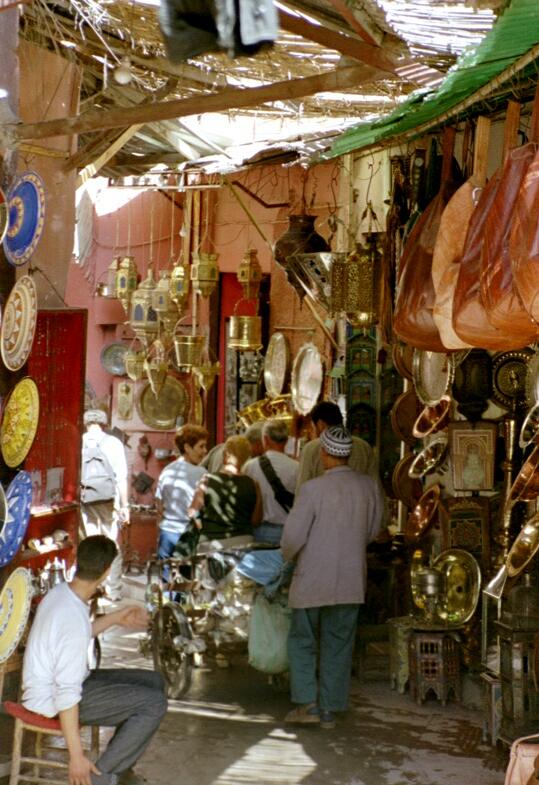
x=371, y=56
x=351, y=16
x=220, y=101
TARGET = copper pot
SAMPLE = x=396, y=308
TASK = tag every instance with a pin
x=422, y=515
x=432, y=418
x=526, y=486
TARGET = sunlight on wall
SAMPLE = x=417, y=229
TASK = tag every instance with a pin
x=106, y=200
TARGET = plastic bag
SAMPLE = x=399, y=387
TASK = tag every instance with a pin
x=523, y=762
x=268, y=636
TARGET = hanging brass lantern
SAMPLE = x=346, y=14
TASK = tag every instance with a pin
x=204, y=273
x=134, y=360
x=126, y=280
x=143, y=318
x=156, y=367
x=206, y=374
x=164, y=305
x=179, y=285
x=363, y=269
x=250, y=275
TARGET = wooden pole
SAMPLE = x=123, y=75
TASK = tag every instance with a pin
x=221, y=101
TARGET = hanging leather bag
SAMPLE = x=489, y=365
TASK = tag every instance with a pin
x=523, y=767
x=413, y=319
x=502, y=303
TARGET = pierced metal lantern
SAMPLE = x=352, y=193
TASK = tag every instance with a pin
x=164, y=305
x=204, y=273
x=179, y=285
x=143, y=317
x=250, y=274
x=363, y=285
x=126, y=280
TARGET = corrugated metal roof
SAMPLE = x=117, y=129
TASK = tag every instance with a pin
x=515, y=33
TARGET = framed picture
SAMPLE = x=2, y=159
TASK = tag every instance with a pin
x=472, y=451
x=465, y=523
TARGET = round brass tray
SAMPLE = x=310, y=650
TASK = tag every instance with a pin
x=433, y=374
x=19, y=422
x=422, y=515
x=509, y=372
x=405, y=488
x=307, y=378
x=162, y=411
x=276, y=364
x=429, y=459
x=15, y=602
x=524, y=547
x=433, y=418
x=526, y=485
x=402, y=356
x=19, y=324
x=404, y=414
x=461, y=579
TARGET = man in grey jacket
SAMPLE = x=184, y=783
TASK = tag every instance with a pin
x=327, y=532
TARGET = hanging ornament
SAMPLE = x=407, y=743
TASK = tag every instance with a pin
x=362, y=301
x=143, y=318
x=250, y=275
x=204, y=273
x=179, y=285
x=156, y=366
x=126, y=280
x=165, y=307
x=300, y=238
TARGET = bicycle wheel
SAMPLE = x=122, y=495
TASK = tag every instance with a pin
x=175, y=665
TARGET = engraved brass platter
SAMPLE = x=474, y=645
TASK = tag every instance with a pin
x=19, y=422
x=162, y=411
x=276, y=364
x=422, y=515
x=509, y=372
x=461, y=582
x=524, y=547
x=15, y=602
x=19, y=324
x=429, y=459
x=307, y=378
x=433, y=374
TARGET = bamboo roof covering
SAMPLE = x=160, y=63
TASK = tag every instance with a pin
x=400, y=47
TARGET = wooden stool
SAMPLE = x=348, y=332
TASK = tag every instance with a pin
x=26, y=720
x=434, y=665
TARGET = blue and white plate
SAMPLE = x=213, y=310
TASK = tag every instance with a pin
x=26, y=205
x=19, y=499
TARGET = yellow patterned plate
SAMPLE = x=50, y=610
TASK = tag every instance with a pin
x=162, y=411
x=15, y=601
x=19, y=324
x=19, y=422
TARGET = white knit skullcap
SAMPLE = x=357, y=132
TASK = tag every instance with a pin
x=336, y=441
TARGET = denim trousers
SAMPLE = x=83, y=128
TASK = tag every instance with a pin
x=131, y=700
x=270, y=533
x=322, y=637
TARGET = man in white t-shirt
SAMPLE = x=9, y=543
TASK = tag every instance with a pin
x=106, y=515
x=56, y=680
x=276, y=474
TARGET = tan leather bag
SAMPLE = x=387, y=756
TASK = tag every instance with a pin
x=523, y=767
x=413, y=319
x=524, y=242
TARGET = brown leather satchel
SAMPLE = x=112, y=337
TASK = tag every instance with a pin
x=413, y=319
x=524, y=242
x=503, y=305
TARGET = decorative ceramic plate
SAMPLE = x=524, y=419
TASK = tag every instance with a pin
x=276, y=364
x=161, y=412
x=4, y=215
x=461, y=578
x=19, y=499
x=19, y=422
x=433, y=374
x=524, y=547
x=15, y=602
x=26, y=202
x=19, y=324
x=307, y=378
x=113, y=358
x=509, y=371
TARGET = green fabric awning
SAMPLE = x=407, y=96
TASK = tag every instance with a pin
x=515, y=32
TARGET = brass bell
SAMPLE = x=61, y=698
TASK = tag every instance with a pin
x=204, y=273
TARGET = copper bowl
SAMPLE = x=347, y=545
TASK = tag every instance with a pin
x=526, y=486
x=429, y=459
x=433, y=418
x=422, y=515
x=405, y=488
x=403, y=415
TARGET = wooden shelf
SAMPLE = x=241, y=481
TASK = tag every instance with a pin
x=29, y=555
x=42, y=510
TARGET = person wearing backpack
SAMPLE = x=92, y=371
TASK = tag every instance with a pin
x=104, y=502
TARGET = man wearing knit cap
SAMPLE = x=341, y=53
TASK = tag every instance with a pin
x=327, y=532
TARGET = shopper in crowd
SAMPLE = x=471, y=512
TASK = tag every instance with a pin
x=227, y=503
x=213, y=461
x=176, y=487
x=276, y=475
x=56, y=680
x=333, y=519
x=104, y=496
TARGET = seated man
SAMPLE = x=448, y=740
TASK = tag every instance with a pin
x=56, y=680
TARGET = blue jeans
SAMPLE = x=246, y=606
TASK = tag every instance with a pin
x=270, y=533
x=323, y=636
x=131, y=700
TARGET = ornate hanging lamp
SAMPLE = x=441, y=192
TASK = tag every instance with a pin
x=126, y=280
x=179, y=285
x=250, y=275
x=363, y=284
x=204, y=273
x=165, y=307
x=143, y=318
